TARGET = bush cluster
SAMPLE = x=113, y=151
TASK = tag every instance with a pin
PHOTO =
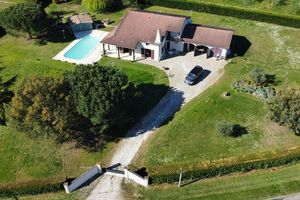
x=32, y=187
x=264, y=92
x=285, y=20
x=200, y=173
x=232, y=130
x=285, y=109
x=259, y=85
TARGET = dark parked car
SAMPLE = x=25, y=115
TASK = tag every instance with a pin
x=193, y=75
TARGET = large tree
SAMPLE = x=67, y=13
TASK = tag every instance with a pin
x=27, y=17
x=100, y=93
x=43, y=106
x=285, y=109
x=102, y=5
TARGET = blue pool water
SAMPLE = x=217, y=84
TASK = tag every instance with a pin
x=83, y=48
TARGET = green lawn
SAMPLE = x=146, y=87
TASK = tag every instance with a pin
x=25, y=159
x=255, y=185
x=288, y=7
x=37, y=159
x=191, y=137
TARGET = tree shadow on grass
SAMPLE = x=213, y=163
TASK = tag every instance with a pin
x=152, y=106
x=239, y=46
x=60, y=33
x=2, y=32
x=239, y=130
x=161, y=114
x=6, y=96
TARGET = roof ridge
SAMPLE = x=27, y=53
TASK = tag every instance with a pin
x=213, y=27
x=160, y=13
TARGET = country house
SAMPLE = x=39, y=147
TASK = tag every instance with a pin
x=144, y=34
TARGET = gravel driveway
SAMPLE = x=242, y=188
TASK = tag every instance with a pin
x=109, y=187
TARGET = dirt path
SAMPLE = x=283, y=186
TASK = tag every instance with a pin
x=295, y=196
x=109, y=187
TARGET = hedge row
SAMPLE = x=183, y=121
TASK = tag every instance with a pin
x=223, y=170
x=31, y=187
x=269, y=17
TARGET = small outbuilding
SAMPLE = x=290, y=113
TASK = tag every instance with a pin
x=81, y=22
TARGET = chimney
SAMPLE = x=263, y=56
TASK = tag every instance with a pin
x=158, y=37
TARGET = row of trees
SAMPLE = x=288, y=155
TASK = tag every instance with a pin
x=80, y=106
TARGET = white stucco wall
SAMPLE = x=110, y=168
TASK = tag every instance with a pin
x=224, y=53
x=156, y=48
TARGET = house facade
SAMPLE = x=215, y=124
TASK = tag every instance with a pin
x=143, y=34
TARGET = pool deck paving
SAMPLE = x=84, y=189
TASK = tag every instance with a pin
x=93, y=57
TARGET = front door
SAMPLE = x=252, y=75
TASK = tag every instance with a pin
x=152, y=54
x=185, y=47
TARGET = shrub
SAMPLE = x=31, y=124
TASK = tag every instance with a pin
x=102, y=5
x=139, y=3
x=285, y=109
x=27, y=17
x=279, y=2
x=195, y=173
x=226, y=128
x=258, y=76
x=32, y=187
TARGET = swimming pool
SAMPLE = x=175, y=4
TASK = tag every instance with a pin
x=84, y=47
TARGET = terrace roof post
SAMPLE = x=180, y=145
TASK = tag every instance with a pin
x=133, y=54
x=118, y=52
x=108, y=47
x=103, y=49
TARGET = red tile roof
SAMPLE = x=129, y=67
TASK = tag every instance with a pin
x=141, y=26
x=207, y=35
x=81, y=18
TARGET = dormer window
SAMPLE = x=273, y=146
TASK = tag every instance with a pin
x=147, y=43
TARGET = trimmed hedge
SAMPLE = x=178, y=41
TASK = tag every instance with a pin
x=224, y=170
x=31, y=187
x=269, y=17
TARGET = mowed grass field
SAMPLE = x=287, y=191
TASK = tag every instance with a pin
x=288, y=7
x=191, y=137
x=254, y=185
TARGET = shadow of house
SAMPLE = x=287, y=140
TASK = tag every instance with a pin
x=239, y=46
